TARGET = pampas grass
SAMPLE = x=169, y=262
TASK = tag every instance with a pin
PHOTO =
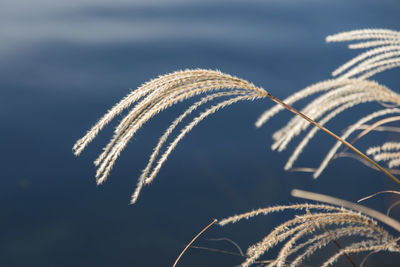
x=165, y=91
x=350, y=88
x=156, y=96
x=320, y=224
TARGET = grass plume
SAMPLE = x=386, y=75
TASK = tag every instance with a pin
x=320, y=224
x=167, y=90
x=308, y=233
x=154, y=97
x=348, y=89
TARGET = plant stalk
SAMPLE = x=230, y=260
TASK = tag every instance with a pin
x=295, y=111
x=191, y=242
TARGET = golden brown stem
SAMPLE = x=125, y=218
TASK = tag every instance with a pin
x=194, y=239
x=295, y=111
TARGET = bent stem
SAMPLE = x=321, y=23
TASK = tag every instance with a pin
x=373, y=127
x=194, y=239
x=347, y=204
x=347, y=144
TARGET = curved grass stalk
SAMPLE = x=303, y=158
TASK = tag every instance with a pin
x=372, y=127
x=379, y=193
x=395, y=204
x=191, y=242
x=393, y=129
x=373, y=53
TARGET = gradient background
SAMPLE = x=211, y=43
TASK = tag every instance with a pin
x=63, y=64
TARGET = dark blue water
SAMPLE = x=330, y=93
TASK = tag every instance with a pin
x=64, y=64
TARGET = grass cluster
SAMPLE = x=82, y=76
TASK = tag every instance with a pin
x=318, y=224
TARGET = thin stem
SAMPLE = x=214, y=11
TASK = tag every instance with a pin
x=372, y=127
x=194, y=239
x=381, y=128
x=378, y=193
x=295, y=111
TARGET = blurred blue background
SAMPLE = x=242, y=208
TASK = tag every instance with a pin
x=63, y=64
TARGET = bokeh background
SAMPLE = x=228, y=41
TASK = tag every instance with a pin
x=63, y=64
